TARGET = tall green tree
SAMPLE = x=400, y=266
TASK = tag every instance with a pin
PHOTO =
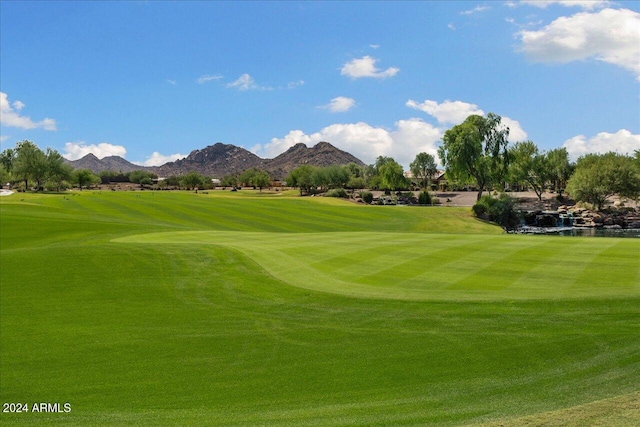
x=423, y=168
x=261, y=179
x=392, y=175
x=528, y=164
x=84, y=178
x=600, y=176
x=30, y=163
x=476, y=149
x=192, y=180
x=302, y=177
x=560, y=168
x=7, y=157
x=57, y=170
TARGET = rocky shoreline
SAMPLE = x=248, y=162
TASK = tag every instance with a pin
x=574, y=216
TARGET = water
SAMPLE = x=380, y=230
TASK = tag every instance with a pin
x=601, y=232
x=581, y=232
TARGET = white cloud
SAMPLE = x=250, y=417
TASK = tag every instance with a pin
x=206, y=78
x=79, y=149
x=476, y=9
x=9, y=116
x=171, y=82
x=157, y=159
x=455, y=112
x=366, y=142
x=366, y=67
x=293, y=85
x=623, y=142
x=516, y=133
x=374, y=46
x=585, y=4
x=452, y=112
x=3, y=138
x=339, y=104
x=246, y=82
x=610, y=35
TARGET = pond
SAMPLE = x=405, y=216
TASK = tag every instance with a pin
x=601, y=232
x=581, y=231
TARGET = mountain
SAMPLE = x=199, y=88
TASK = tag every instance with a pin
x=110, y=163
x=322, y=154
x=221, y=159
x=215, y=160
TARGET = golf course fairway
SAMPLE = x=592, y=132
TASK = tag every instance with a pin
x=243, y=309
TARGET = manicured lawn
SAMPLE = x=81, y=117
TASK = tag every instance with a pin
x=145, y=308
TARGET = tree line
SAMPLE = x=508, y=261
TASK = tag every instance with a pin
x=475, y=153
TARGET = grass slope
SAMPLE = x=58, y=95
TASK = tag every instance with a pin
x=183, y=309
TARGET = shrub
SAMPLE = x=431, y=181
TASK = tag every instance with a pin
x=500, y=210
x=366, y=196
x=337, y=192
x=424, y=198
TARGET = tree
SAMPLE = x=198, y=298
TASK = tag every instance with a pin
x=392, y=175
x=302, y=177
x=7, y=157
x=476, y=149
x=560, y=168
x=529, y=165
x=57, y=170
x=246, y=177
x=229, y=181
x=192, y=180
x=337, y=176
x=423, y=168
x=30, y=163
x=84, y=178
x=137, y=176
x=500, y=210
x=599, y=176
x=261, y=179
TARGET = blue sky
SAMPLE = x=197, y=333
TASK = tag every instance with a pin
x=151, y=81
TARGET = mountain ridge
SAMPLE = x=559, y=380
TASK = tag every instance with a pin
x=219, y=160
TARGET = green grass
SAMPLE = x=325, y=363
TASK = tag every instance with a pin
x=244, y=309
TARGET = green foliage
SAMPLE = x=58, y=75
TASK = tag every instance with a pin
x=599, y=176
x=560, y=168
x=423, y=168
x=7, y=158
x=356, y=183
x=337, y=192
x=229, y=181
x=84, y=178
x=424, y=198
x=391, y=174
x=245, y=179
x=303, y=178
x=366, y=196
x=528, y=165
x=499, y=209
x=30, y=163
x=261, y=179
x=477, y=150
x=137, y=176
x=192, y=180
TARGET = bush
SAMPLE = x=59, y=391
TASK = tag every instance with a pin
x=366, y=196
x=424, y=198
x=500, y=210
x=337, y=192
